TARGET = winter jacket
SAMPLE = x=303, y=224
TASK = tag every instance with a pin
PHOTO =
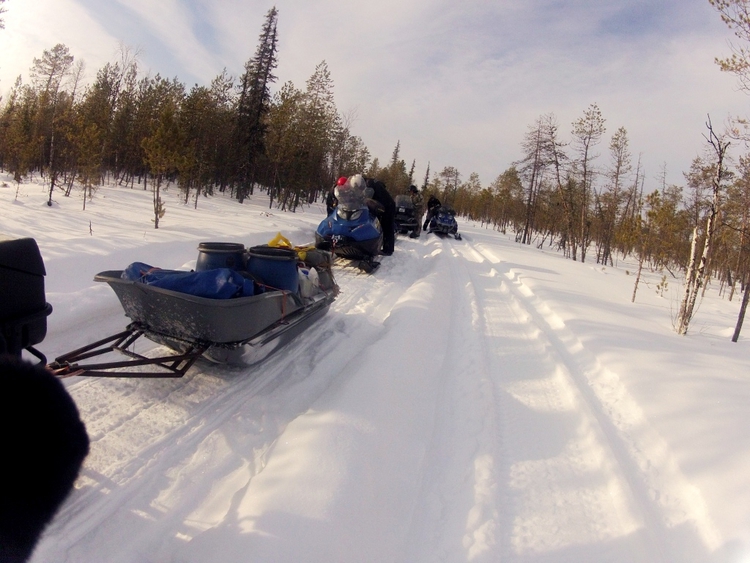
x=433, y=203
x=417, y=201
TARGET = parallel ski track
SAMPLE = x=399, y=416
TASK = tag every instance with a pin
x=649, y=472
x=459, y=513
x=526, y=303
x=470, y=506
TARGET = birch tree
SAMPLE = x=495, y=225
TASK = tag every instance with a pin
x=697, y=271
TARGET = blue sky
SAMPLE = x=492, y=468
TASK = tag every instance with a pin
x=457, y=83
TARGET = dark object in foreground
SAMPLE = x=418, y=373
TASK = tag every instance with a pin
x=23, y=306
x=44, y=444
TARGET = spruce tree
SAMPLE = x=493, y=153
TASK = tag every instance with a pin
x=253, y=104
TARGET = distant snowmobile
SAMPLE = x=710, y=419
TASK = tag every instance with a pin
x=444, y=223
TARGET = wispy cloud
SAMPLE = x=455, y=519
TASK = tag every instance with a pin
x=456, y=83
x=174, y=24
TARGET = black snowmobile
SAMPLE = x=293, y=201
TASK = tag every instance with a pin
x=406, y=219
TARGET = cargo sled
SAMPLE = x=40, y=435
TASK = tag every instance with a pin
x=270, y=295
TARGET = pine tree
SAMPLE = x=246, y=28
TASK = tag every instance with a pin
x=160, y=157
x=426, y=181
x=587, y=132
x=89, y=158
x=17, y=141
x=320, y=120
x=532, y=168
x=47, y=76
x=253, y=104
x=611, y=198
x=736, y=14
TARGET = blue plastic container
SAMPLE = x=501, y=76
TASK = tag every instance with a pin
x=275, y=267
x=212, y=255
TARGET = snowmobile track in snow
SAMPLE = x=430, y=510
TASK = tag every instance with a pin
x=666, y=504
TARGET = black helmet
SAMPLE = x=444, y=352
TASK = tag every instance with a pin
x=413, y=189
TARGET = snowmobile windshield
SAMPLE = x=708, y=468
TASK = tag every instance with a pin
x=350, y=198
x=403, y=201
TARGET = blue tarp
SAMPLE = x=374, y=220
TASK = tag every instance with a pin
x=220, y=283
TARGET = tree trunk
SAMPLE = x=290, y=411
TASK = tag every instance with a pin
x=741, y=317
x=683, y=317
x=637, y=278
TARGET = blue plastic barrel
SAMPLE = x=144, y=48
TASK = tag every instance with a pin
x=212, y=255
x=275, y=267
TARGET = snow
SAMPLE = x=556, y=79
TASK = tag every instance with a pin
x=473, y=400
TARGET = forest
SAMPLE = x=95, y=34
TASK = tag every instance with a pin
x=580, y=191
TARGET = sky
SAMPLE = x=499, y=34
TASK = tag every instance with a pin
x=472, y=401
x=457, y=84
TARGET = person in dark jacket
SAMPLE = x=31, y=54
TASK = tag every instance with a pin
x=418, y=202
x=433, y=204
x=383, y=197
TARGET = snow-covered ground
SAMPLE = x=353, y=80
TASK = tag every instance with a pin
x=473, y=400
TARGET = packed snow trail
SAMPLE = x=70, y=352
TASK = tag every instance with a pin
x=439, y=412
x=509, y=493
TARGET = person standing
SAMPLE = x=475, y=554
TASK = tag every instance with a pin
x=433, y=204
x=383, y=197
x=418, y=202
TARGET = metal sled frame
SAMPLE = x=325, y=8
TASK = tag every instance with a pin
x=169, y=366
x=177, y=364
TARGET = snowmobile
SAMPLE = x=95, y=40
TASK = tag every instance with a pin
x=405, y=220
x=443, y=223
x=237, y=307
x=352, y=231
